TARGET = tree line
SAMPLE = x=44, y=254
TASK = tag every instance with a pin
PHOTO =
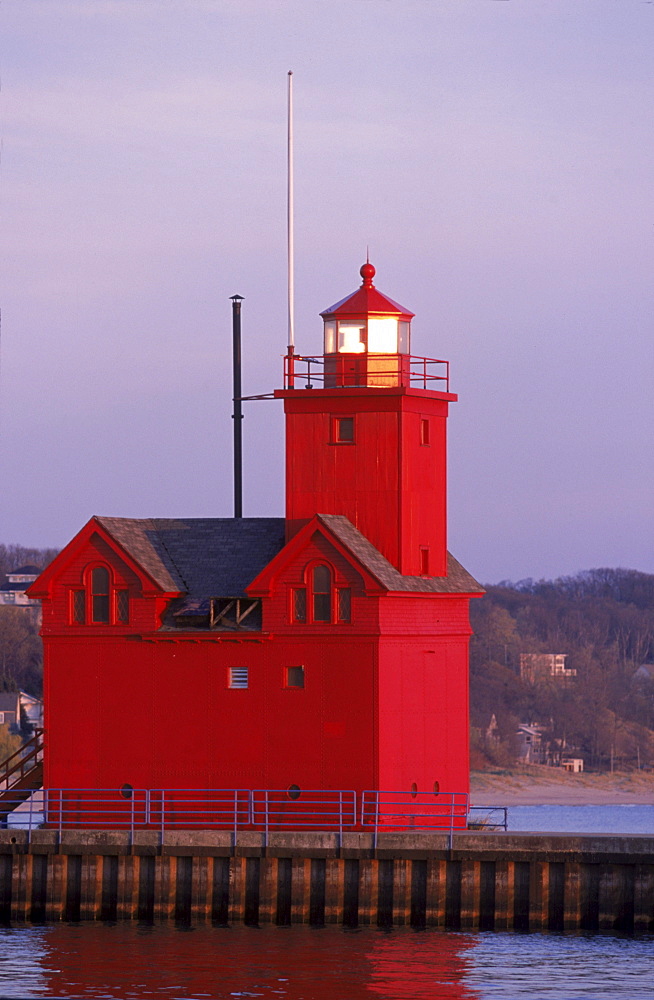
x=603, y=619
x=21, y=651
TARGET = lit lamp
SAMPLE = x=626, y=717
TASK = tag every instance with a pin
x=366, y=338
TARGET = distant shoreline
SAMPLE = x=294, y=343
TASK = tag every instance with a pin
x=533, y=786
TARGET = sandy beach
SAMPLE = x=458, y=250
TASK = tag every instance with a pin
x=531, y=786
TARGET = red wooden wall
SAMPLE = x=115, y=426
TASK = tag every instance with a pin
x=384, y=702
x=390, y=484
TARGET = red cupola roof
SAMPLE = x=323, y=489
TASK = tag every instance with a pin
x=366, y=301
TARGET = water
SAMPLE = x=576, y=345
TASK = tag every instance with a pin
x=127, y=961
x=138, y=962
x=583, y=819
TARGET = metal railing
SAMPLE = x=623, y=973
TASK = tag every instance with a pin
x=313, y=809
x=19, y=764
x=234, y=810
x=410, y=812
x=488, y=818
x=365, y=370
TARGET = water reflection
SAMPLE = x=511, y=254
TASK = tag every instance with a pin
x=419, y=964
x=132, y=962
x=124, y=962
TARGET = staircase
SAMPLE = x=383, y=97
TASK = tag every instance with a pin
x=21, y=774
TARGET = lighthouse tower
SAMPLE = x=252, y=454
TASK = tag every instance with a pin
x=370, y=442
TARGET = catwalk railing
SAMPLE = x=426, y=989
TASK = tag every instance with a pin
x=365, y=370
x=238, y=809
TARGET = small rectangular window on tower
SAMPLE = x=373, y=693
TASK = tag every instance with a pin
x=424, y=430
x=238, y=677
x=344, y=430
x=295, y=677
x=424, y=562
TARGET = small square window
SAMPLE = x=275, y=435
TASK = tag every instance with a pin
x=295, y=677
x=344, y=430
x=344, y=604
x=238, y=677
x=424, y=431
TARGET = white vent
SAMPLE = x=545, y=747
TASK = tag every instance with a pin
x=238, y=677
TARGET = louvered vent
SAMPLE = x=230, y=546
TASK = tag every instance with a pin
x=238, y=677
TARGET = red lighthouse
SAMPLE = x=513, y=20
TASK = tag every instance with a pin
x=371, y=443
x=324, y=650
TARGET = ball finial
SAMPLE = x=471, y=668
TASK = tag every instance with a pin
x=367, y=272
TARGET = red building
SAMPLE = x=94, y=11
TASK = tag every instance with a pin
x=326, y=650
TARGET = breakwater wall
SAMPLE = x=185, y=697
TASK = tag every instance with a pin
x=485, y=881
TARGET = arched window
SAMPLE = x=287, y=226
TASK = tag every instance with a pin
x=321, y=599
x=100, y=595
x=102, y=601
x=321, y=588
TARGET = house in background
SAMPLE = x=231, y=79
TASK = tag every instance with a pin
x=32, y=710
x=538, y=666
x=12, y=592
x=325, y=650
x=19, y=706
x=575, y=765
x=9, y=708
x=530, y=749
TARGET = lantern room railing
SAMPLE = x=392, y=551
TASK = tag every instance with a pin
x=365, y=370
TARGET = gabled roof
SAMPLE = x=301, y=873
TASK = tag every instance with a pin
x=24, y=571
x=221, y=557
x=206, y=557
x=376, y=569
x=457, y=581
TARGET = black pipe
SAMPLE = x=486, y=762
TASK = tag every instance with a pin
x=237, y=416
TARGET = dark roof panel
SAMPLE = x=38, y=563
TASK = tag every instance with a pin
x=219, y=557
x=204, y=557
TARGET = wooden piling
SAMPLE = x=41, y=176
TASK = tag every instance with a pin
x=482, y=881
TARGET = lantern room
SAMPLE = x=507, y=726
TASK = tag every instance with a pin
x=367, y=338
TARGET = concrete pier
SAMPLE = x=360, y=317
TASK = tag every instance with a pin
x=486, y=881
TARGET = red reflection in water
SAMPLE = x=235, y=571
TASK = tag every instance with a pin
x=124, y=962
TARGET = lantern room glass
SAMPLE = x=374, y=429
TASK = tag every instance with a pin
x=382, y=335
x=376, y=335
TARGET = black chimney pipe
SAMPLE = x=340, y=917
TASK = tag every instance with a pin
x=237, y=415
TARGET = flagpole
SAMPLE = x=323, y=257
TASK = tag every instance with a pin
x=290, y=227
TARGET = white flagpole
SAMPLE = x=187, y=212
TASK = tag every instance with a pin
x=290, y=221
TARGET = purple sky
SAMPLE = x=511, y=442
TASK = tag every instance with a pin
x=498, y=158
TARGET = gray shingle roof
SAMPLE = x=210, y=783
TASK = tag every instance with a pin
x=457, y=581
x=204, y=557
x=219, y=557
